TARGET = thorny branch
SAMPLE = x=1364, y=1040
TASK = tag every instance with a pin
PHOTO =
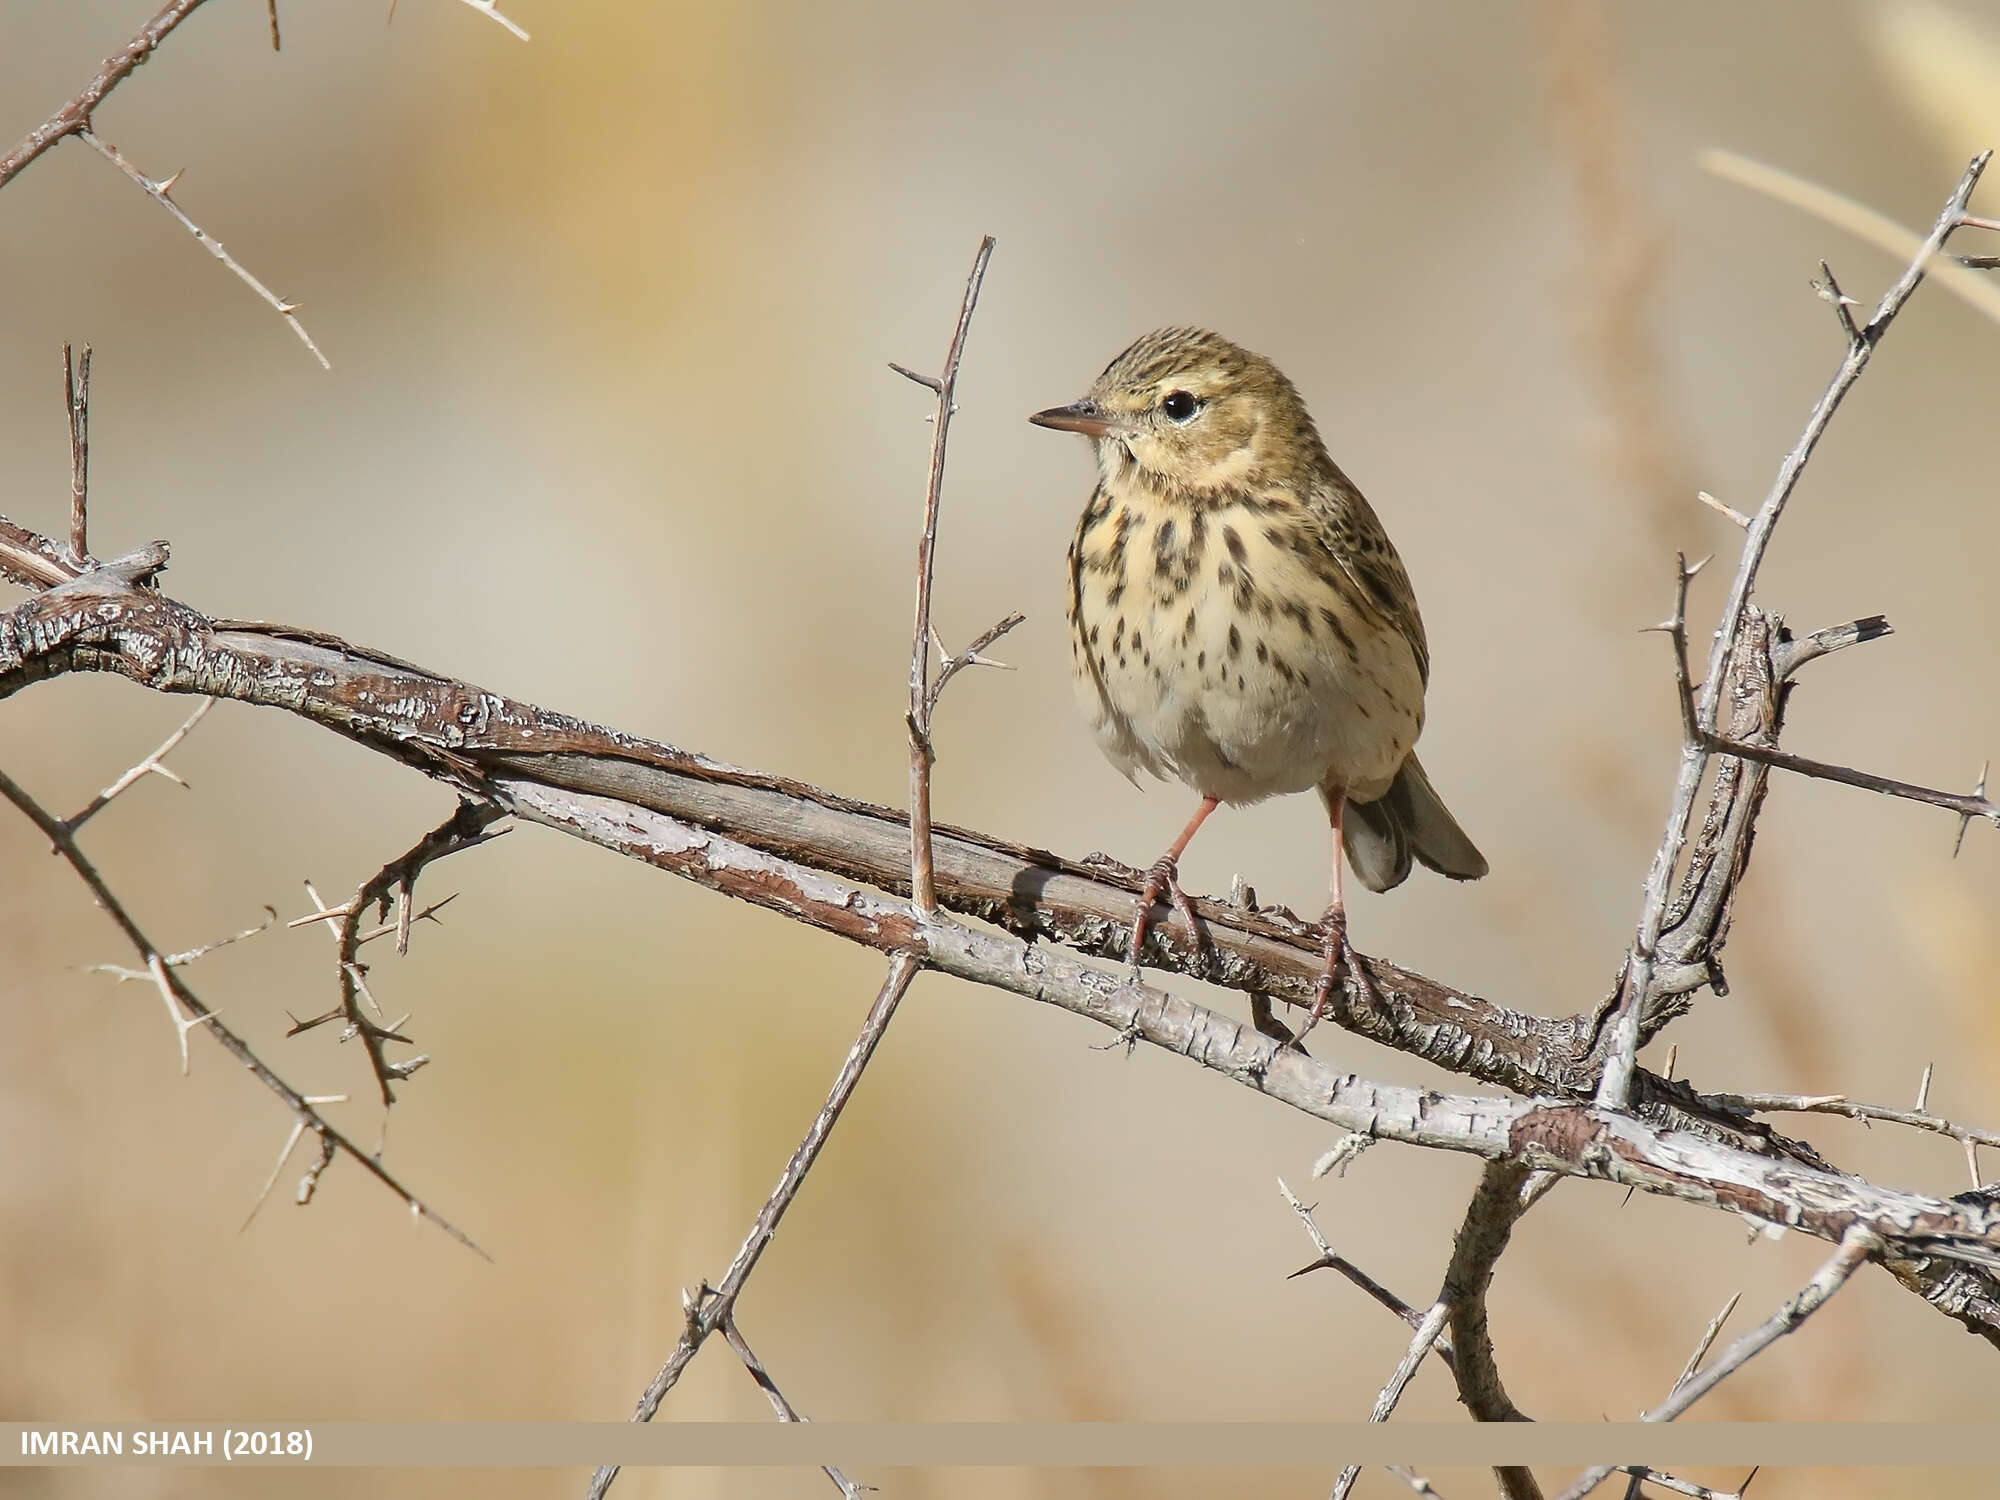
x=1856, y=1246
x=75, y=115
x=1506, y=1191
x=161, y=192
x=1637, y=988
x=800, y=851
x=1966, y=805
x=1441, y=1345
x=180, y=998
x=796, y=850
x=76, y=118
x=466, y=828
x=708, y=1307
x=785, y=1410
x=944, y=386
x=152, y=765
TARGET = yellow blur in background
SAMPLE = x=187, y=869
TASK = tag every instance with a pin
x=610, y=428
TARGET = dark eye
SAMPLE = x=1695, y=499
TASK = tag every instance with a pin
x=1179, y=406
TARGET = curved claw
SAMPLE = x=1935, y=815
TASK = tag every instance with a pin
x=1163, y=879
x=1338, y=954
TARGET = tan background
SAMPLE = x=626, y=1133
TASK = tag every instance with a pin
x=609, y=428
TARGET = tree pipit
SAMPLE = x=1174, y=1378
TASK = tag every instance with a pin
x=1239, y=621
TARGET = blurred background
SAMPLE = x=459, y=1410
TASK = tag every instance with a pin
x=609, y=427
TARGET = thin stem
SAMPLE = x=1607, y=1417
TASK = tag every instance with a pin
x=784, y=1408
x=923, y=882
x=76, y=397
x=331, y=1140
x=707, y=1308
x=1856, y=1246
x=75, y=115
x=159, y=192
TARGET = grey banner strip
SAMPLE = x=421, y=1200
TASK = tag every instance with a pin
x=893, y=1445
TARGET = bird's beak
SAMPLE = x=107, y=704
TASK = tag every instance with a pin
x=1086, y=417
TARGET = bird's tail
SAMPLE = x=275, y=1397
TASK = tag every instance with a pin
x=1408, y=821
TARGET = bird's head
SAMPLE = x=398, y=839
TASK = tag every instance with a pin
x=1194, y=412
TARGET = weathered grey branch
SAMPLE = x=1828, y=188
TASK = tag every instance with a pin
x=805, y=853
x=1506, y=1191
x=1640, y=984
x=463, y=735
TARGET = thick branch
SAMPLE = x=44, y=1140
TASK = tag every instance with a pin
x=1505, y=1193
x=464, y=735
x=805, y=853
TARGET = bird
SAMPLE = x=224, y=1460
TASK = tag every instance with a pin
x=1240, y=622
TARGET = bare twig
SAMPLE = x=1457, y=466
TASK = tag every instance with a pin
x=1330, y=1259
x=950, y=666
x=708, y=1307
x=785, y=1410
x=1795, y=655
x=159, y=192
x=1706, y=1341
x=182, y=998
x=1430, y=1328
x=1506, y=1191
x=151, y=765
x=1417, y=1483
x=75, y=115
x=1344, y=1152
x=1856, y=1246
x=1857, y=219
x=491, y=10
x=1677, y=1486
x=188, y=956
x=1968, y=805
x=468, y=827
x=1614, y=1088
x=1721, y=509
x=1840, y=1104
x=1843, y=305
x=76, y=398
x=271, y=10
x=292, y=1140
x=923, y=884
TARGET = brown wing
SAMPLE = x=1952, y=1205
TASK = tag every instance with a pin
x=1362, y=551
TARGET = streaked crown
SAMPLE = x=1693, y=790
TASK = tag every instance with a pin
x=1196, y=412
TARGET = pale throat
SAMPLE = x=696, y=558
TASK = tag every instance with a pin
x=1235, y=471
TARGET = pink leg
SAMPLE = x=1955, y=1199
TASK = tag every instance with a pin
x=1163, y=879
x=1334, y=947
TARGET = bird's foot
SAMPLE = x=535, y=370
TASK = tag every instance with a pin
x=1164, y=880
x=1338, y=955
